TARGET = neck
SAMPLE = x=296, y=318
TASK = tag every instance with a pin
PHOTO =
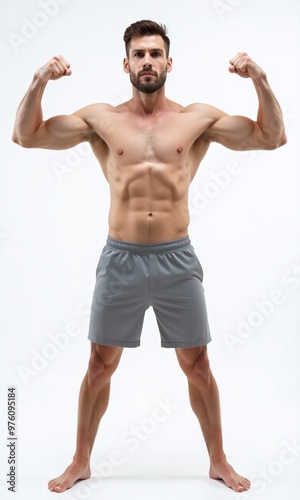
x=148, y=104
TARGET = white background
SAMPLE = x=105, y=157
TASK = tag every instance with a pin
x=244, y=227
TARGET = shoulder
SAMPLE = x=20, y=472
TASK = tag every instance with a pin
x=210, y=117
x=204, y=111
x=99, y=118
x=96, y=109
x=205, y=117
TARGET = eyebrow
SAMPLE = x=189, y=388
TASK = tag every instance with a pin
x=143, y=50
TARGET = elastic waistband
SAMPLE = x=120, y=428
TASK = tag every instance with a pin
x=138, y=248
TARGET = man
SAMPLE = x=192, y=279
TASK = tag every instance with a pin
x=149, y=149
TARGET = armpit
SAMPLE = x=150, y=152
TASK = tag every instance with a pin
x=93, y=138
x=205, y=138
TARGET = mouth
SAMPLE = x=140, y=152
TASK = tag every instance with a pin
x=147, y=74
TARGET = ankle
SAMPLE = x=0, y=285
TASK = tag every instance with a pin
x=217, y=458
x=81, y=459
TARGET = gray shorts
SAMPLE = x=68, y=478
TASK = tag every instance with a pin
x=131, y=277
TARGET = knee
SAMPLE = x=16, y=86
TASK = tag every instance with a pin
x=101, y=365
x=199, y=369
x=202, y=367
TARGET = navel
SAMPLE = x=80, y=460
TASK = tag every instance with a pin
x=120, y=152
x=179, y=150
x=150, y=214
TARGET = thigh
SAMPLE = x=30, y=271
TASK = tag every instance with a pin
x=179, y=301
x=119, y=299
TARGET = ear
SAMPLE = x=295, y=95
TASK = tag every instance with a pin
x=126, y=65
x=169, y=64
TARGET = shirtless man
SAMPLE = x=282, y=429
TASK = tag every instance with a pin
x=149, y=149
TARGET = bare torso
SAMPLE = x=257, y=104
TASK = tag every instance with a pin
x=149, y=162
x=149, y=148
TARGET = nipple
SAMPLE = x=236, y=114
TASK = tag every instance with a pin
x=120, y=152
x=179, y=150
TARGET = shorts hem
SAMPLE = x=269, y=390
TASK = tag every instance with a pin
x=185, y=344
x=115, y=343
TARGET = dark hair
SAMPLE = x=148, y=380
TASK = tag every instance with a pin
x=146, y=28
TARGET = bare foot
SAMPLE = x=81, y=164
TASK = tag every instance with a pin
x=222, y=470
x=75, y=472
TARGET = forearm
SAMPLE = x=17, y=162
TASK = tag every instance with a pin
x=29, y=115
x=269, y=116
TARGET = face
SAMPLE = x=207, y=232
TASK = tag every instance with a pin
x=147, y=63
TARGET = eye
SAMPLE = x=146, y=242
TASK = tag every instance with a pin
x=139, y=54
x=156, y=54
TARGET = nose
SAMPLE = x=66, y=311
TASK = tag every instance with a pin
x=147, y=61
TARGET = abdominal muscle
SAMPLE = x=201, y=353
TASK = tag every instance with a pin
x=149, y=203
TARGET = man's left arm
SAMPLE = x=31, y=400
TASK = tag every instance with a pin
x=241, y=133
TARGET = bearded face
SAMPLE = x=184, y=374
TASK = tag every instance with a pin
x=147, y=63
x=147, y=80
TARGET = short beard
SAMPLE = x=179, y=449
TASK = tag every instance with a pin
x=148, y=87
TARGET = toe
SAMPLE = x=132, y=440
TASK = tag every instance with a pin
x=245, y=483
x=53, y=483
x=236, y=486
x=60, y=488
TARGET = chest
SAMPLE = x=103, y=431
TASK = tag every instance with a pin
x=166, y=139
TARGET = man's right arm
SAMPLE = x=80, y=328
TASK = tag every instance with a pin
x=59, y=132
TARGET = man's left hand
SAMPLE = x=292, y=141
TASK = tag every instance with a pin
x=245, y=67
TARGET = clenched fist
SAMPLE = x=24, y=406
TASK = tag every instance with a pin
x=244, y=66
x=57, y=67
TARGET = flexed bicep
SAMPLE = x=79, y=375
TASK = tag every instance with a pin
x=60, y=132
x=237, y=132
x=241, y=133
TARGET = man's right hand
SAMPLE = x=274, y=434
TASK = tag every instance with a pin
x=57, y=67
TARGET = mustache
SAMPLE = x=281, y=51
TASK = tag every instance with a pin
x=147, y=70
